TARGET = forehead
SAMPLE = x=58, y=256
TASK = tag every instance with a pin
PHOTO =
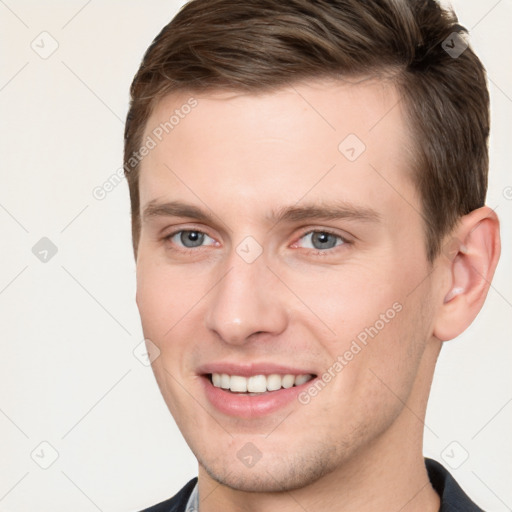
x=325, y=140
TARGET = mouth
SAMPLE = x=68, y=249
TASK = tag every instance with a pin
x=255, y=394
x=257, y=385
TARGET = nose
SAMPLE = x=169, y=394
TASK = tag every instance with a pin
x=246, y=301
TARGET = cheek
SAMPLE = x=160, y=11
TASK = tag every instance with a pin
x=377, y=377
x=355, y=302
x=163, y=297
x=381, y=333
x=153, y=301
x=164, y=301
x=395, y=353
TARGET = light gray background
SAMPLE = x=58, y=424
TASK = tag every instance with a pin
x=69, y=377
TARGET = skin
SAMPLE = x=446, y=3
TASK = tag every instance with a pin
x=357, y=446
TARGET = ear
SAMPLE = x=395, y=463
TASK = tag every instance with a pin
x=469, y=260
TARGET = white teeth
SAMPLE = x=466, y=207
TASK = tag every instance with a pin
x=216, y=378
x=224, y=381
x=237, y=383
x=301, y=379
x=273, y=382
x=287, y=381
x=258, y=383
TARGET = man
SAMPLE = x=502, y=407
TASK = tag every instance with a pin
x=307, y=182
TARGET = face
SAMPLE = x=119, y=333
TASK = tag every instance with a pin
x=282, y=256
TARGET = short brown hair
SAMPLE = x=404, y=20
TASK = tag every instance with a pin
x=259, y=45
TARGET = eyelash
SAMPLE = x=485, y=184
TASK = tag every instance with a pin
x=189, y=250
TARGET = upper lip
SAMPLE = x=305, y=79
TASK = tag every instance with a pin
x=249, y=369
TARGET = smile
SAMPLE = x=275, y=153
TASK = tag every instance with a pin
x=255, y=394
x=257, y=384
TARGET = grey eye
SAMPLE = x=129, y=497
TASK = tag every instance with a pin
x=321, y=240
x=191, y=238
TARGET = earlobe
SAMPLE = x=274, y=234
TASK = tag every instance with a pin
x=474, y=254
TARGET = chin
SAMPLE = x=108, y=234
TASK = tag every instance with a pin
x=267, y=475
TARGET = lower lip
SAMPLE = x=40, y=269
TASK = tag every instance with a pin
x=246, y=406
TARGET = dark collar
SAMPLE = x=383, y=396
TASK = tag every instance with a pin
x=453, y=498
x=178, y=502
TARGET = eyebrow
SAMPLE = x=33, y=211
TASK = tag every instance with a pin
x=330, y=211
x=174, y=209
